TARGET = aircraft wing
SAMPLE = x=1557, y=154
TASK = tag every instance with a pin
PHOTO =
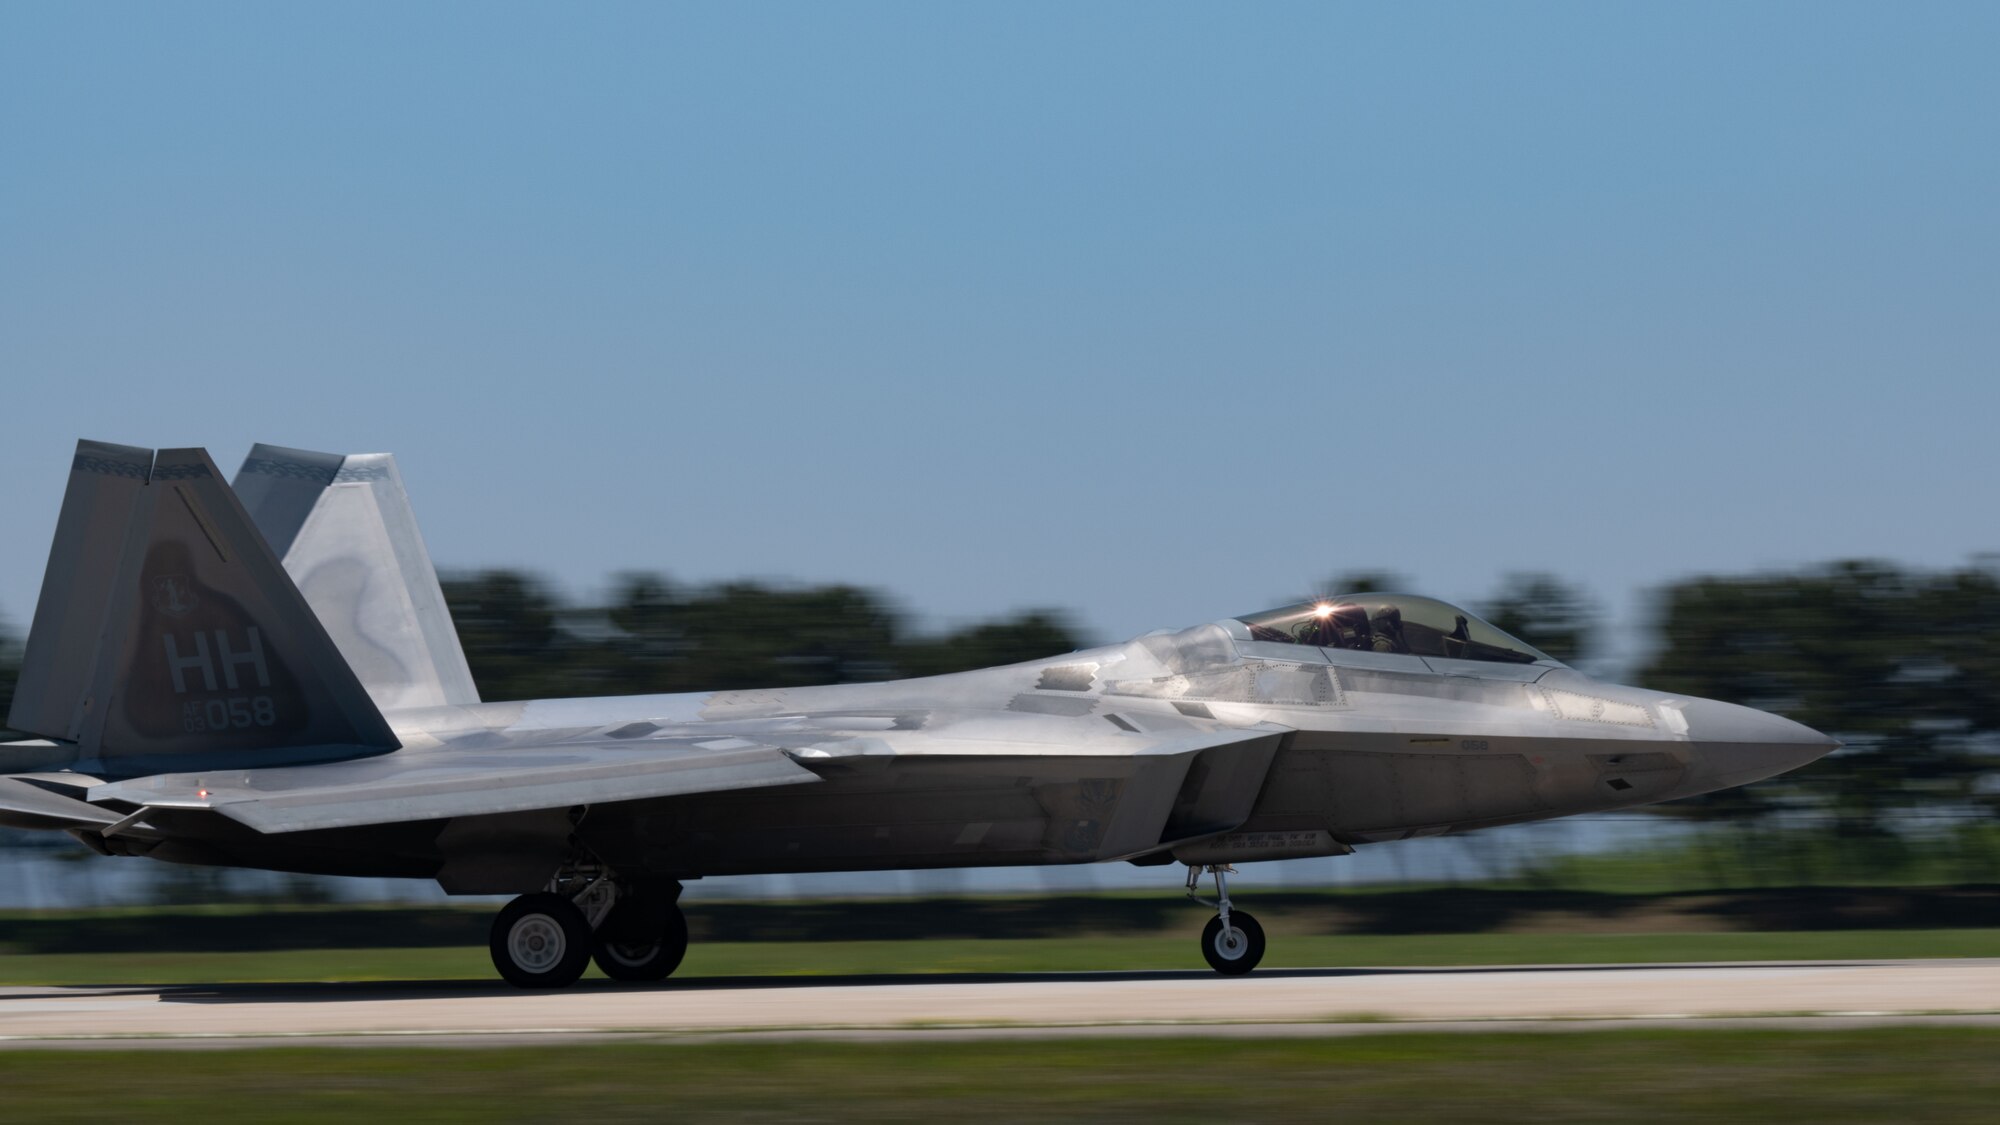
x=1167, y=785
x=467, y=780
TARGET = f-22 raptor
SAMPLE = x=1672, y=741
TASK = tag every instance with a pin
x=266, y=676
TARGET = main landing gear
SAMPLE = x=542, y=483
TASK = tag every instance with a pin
x=635, y=932
x=1232, y=942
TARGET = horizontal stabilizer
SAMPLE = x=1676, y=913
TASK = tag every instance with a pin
x=435, y=784
x=24, y=804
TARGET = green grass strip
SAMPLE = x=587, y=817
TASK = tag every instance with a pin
x=1898, y=1074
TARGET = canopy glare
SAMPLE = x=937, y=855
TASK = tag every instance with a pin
x=1399, y=623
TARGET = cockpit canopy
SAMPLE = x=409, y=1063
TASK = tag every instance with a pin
x=1391, y=623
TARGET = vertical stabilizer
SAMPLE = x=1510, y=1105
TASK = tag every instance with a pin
x=347, y=535
x=169, y=637
x=70, y=619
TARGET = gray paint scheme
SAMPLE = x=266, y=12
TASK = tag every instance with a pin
x=201, y=649
x=344, y=528
x=1201, y=745
x=69, y=622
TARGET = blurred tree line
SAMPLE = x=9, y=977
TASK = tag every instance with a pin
x=1902, y=665
x=650, y=635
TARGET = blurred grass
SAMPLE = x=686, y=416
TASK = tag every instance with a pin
x=1028, y=955
x=1892, y=1074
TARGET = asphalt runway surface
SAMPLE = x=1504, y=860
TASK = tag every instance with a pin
x=1272, y=1001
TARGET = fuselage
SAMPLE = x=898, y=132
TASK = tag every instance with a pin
x=1370, y=746
x=284, y=690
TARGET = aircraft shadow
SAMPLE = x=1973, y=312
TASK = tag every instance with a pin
x=354, y=991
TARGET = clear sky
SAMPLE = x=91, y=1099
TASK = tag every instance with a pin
x=1158, y=312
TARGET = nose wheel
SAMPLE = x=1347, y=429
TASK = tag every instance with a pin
x=1232, y=943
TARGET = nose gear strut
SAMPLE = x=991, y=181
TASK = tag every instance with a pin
x=1232, y=942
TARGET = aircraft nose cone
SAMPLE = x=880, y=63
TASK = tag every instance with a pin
x=1743, y=744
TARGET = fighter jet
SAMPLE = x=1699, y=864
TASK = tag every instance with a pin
x=266, y=676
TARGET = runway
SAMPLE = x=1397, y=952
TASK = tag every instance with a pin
x=1279, y=1001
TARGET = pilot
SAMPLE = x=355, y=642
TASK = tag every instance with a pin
x=1335, y=626
x=1348, y=624
x=1388, y=630
x=1317, y=628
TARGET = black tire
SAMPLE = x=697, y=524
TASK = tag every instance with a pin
x=1240, y=952
x=540, y=941
x=642, y=939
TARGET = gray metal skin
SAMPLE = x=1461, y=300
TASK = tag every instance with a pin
x=1202, y=746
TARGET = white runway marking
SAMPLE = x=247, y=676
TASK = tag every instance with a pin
x=1291, y=997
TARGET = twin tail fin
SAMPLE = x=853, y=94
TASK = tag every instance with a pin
x=169, y=637
x=344, y=529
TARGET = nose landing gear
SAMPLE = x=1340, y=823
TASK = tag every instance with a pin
x=634, y=931
x=1232, y=943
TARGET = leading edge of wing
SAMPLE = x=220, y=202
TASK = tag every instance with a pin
x=446, y=782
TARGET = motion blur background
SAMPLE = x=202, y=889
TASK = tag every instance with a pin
x=727, y=347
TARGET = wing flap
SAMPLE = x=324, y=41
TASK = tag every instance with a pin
x=441, y=783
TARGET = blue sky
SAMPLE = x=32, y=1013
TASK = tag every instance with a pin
x=1154, y=312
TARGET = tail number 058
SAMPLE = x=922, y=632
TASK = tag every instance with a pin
x=233, y=713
